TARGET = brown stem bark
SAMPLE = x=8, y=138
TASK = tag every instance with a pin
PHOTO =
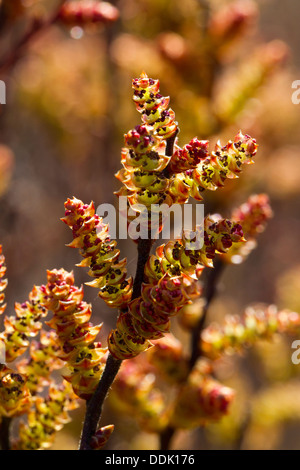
x=4, y=433
x=95, y=404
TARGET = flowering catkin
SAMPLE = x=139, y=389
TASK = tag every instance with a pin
x=143, y=160
x=258, y=322
x=171, y=283
x=87, y=12
x=14, y=394
x=211, y=173
x=154, y=107
x=145, y=155
x=100, y=253
x=46, y=418
x=76, y=335
x=24, y=325
x=253, y=216
x=199, y=400
x=43, y=359
x=135, y=393
x=157, y=171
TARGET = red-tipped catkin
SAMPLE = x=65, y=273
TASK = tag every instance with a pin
x=169, y=359
x=87, y=12
x=91, y=237
x=211, y=173
x=172, y=283
x=200, y=400
x=135, y=393
x=237, y=333
x=14, y=394
x=154, y=107
x=145, y=155
x=253, y=216
x=85, y=357
x=24, y=325
x=43, y=359
x=189, y=156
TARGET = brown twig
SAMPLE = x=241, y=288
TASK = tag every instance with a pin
x=166, y=437
x=4, y=433
x=95, y=404
x=37, y=26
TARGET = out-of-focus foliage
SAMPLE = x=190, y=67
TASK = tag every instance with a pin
x=61, y=134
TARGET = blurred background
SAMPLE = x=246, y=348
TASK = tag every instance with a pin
x=226, y=65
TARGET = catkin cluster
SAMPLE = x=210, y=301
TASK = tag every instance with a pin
x=171, y=283
x=85, y=358
x=25, y=324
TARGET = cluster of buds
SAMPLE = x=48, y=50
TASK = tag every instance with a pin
x=253, y=216
x=148, y=316
x=229, y=23
x=3, y=281
x=211, y=173
x=14, y=394
x=134, y=392
x=199, y=400
x=86, y=12
x=43, y=359
x=237, y=333
x=168, y=358
x=175, y=257
x=100, y=254
x=24, y=325
x=188, y=157
x=76, y=335
x=46, y=418
x=145, y=156
x=154, y=107
x=157, y=171
x=101, y=437
x=172, y=283
x=143, y=161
